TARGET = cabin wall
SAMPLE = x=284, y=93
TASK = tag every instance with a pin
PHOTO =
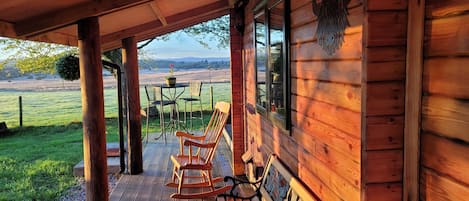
x=385, y=41
x=445, y=102
x=323, y=147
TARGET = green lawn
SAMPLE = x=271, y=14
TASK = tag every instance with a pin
x=36, y=161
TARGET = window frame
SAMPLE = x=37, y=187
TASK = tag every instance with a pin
x=263, y=8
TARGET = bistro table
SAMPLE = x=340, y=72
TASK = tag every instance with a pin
x=171, y=93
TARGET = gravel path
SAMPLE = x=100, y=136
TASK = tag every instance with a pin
x=77, y=193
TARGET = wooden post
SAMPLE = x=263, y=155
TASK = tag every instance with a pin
x=134, y=126
x=20, y=105
x=121, y=120
x=211, y=96
x=237, y=96
x=94, y=136
x=413, y=98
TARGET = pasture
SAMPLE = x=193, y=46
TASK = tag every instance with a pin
x=36, y=160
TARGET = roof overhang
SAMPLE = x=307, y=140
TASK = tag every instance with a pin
x=55, y=21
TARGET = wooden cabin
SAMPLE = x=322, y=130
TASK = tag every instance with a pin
x=383, y=117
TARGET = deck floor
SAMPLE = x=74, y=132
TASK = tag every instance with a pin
x=157, y=167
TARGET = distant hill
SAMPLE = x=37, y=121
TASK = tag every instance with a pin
x=197, y=59
x=158, y=65
x=188, y=63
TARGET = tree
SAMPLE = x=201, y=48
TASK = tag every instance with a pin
x=39, y=57
x=217, y=29
x=33, y=57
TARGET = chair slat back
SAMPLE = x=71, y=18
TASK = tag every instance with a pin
x=157, y=93
x=195, y=88
x=214, y=129
x=147, y=93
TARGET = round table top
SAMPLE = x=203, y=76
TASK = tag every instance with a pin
x=177, y=85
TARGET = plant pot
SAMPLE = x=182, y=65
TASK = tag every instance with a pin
x=171, y=81
x=275, y=77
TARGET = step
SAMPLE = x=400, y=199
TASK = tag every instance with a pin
x=113, y=161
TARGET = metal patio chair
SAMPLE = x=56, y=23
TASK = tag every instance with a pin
x=156, y=99
x=195, y=89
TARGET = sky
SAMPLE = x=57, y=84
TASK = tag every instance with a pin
x=181, y=45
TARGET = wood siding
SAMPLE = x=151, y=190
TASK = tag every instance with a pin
x=445, y=102
x=383, y=95
x=323, y=146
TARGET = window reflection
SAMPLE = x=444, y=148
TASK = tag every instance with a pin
x=276, y=59
x=261, y=40
x=271, y=64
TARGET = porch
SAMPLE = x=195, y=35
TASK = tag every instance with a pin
x=150, y=184
x=382, y=118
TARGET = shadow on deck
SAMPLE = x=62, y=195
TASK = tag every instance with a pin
x=157, y=167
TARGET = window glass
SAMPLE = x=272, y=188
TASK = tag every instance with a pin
x=276, y=59
x=261, y=54
x=272, y=73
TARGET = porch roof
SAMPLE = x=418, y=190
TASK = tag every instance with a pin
x=55, y=21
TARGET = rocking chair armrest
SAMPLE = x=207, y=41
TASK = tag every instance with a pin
x=190, y=136
x=196, y=144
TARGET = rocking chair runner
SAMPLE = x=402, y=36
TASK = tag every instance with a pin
x=199, y=160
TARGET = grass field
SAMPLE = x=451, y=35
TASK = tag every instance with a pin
x=36, y=160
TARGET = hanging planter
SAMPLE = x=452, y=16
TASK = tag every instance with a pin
x=332, y=22
x=68, y=67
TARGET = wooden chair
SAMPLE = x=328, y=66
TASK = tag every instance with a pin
x=198, y=159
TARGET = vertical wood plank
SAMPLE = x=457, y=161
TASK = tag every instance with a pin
x=384, y=192
x=94, y=131
x=414, y=69
x=237, y=112
x=134, y=130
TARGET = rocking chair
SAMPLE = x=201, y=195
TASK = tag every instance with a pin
x=200, y=159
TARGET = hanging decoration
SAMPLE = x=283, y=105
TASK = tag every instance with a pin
x=68, y=67
x=332, y=21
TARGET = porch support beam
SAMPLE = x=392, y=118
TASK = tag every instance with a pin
x=7, y=29
x=134, y=127
x=94, y=131
x=63, y=17
x=413, y=98
x=231, y=3
x=237, y=96
x=175, y=22
x=157, y=11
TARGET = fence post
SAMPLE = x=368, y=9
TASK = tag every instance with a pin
x=20, y=103
x=211, y=97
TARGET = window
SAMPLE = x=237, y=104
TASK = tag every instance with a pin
x=272, y=72
x=261, y=56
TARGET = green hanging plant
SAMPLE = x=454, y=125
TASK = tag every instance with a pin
x=68, y=67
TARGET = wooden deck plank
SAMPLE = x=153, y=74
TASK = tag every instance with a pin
x=150, y=185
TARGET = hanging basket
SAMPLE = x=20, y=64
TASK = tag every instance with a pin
x=68, y=67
